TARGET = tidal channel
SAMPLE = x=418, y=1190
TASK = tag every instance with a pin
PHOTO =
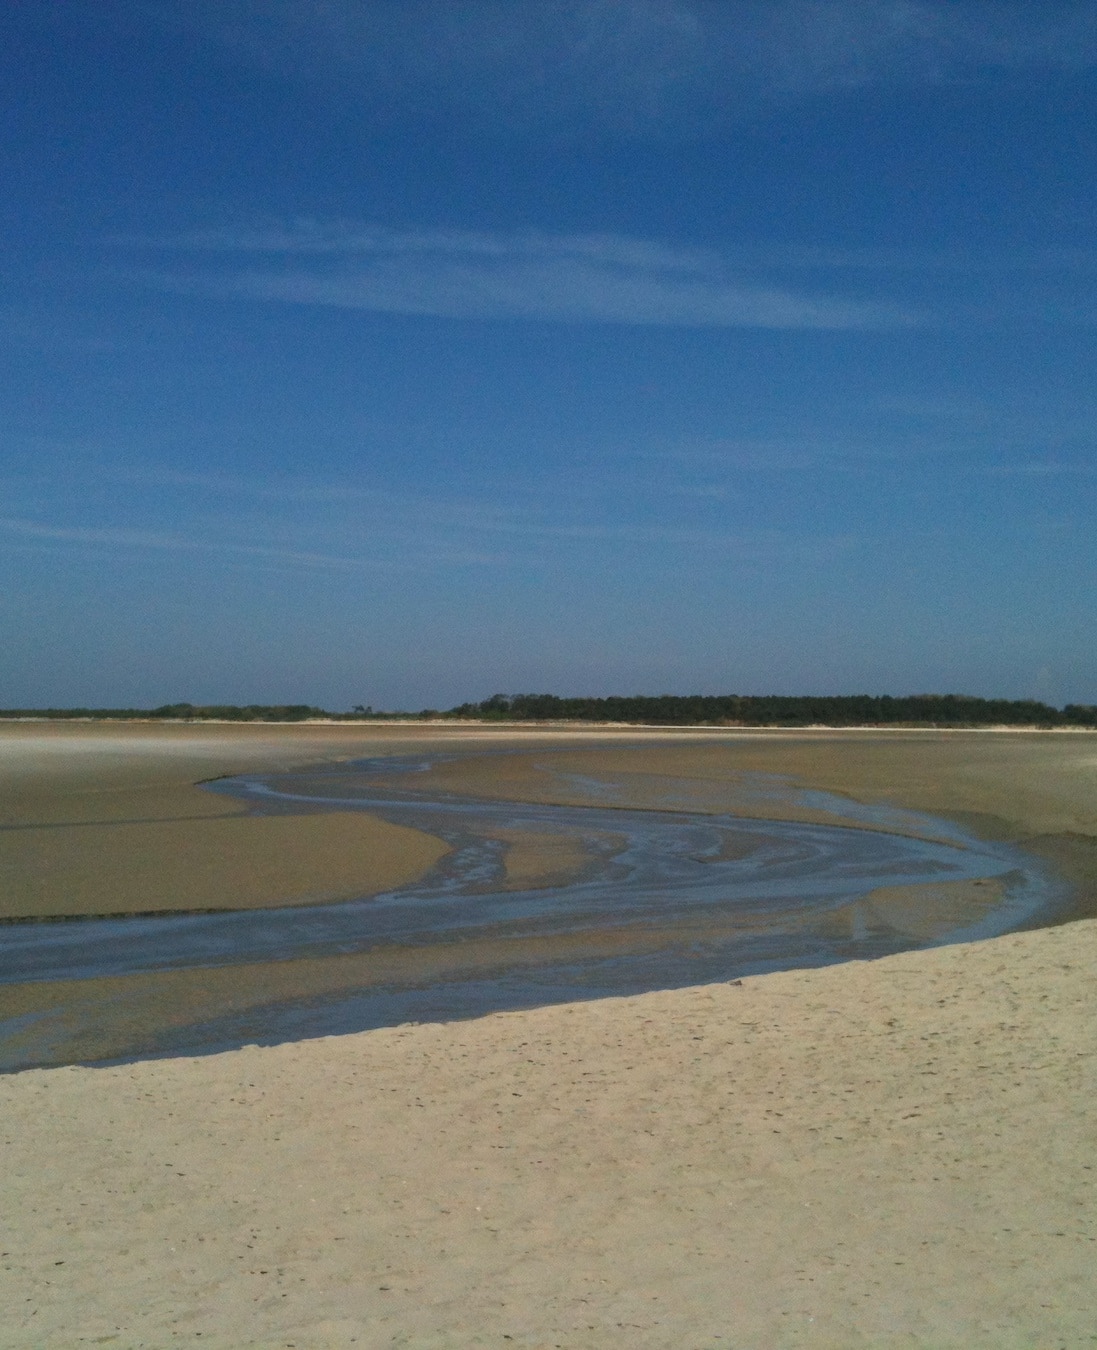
x=654, y=898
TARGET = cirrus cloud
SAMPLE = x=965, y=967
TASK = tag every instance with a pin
x=460, y=274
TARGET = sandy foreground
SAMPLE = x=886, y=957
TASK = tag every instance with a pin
x=894, y=1153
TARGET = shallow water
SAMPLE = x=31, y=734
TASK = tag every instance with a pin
x=667, y=898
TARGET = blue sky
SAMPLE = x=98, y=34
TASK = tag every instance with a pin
x=405, y=353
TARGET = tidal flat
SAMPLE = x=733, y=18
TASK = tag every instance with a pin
x=421, y=873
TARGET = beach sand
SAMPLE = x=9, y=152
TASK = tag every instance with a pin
x=890, y=1153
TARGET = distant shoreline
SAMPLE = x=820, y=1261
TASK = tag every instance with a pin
x=578, y=725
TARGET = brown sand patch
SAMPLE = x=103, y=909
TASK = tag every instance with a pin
x=536, y=860
x=734, y=846
x=704, y=778
x=234, y=862
x=1031, y=783
x=1074, y=857
x=101, y=819
x=926, y=911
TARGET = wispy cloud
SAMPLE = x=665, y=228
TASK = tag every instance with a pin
x=392, y=514
x=740, y=545
x=456, y=274
x=1044, y=469
x=637, y=65
x=116, y=539
x=348, y=528
x=308, y=236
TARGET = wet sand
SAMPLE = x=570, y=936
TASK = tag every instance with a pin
x=103, y=820
x=891, y=1153
x=1038, y=790
x=534, y=902
x=106, y=819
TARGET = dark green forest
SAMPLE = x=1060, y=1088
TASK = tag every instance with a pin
x=721, y=710
x=947, y=710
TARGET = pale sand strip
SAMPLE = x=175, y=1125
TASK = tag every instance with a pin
x=898, y=1153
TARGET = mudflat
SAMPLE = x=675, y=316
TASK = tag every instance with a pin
x=1037, y=789
x=109, y=819
x=112, y=818
x=104, y=819
x=888, y=1153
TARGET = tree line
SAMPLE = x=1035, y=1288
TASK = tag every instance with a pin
x=720, y=710
x=178, y=712
x=781, y=710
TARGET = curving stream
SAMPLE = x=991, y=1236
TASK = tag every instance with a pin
x=663, y=898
